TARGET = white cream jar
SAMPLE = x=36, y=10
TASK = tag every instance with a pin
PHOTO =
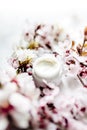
x=47, y=68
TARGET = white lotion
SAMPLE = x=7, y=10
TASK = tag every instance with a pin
x=46, y=67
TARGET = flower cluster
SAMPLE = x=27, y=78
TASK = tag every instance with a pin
x=26, y=102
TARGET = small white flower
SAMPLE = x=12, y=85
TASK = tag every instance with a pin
x=25, y=54
x=27, y=85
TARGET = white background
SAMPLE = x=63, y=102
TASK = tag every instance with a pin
x=15, y=13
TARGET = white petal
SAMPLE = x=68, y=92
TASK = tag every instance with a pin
x=10, y=88
x=21, y=120
x=21, y=103
x=3, y=123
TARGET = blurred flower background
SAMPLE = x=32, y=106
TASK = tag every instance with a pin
x=15, y=14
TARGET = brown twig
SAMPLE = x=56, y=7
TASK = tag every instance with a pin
x=81, y=63
x=80, y=80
